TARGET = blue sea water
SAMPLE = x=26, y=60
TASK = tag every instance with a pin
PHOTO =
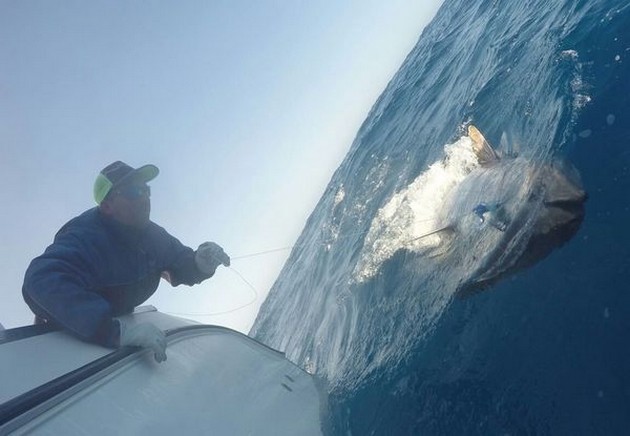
x=373, y=309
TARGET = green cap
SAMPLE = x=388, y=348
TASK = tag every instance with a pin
x=119, y=173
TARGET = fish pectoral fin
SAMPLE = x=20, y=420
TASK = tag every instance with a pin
x=484, y=151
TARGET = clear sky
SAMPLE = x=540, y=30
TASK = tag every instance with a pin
x=247, y=108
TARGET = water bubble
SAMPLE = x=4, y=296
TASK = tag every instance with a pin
x=610, y=119
x=585, y=133
x=617, y=58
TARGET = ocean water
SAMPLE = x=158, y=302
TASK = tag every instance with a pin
x=372, y=298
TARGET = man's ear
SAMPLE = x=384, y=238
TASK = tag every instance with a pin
x=106, y=207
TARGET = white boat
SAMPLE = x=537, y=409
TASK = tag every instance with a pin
x=216, y=381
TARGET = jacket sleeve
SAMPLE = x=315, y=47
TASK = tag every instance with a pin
x=57, y=286
x=179, y=260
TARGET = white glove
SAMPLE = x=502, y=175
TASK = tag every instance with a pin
x=209, y=256
x=144, y=335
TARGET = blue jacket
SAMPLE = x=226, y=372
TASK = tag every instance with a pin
x=97, y=268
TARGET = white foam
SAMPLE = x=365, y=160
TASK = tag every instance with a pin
x=569, y=54
x=339, y=196
x=415, y=210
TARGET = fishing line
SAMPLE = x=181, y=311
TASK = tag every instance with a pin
x=260, y=253
x=266, y=252
x=226, y=311
x=325, y=242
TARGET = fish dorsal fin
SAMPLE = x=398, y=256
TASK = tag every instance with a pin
x=484, y=151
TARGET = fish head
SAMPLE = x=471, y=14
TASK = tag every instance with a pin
x=551, y=212
x=561, y=211
x=563, y=199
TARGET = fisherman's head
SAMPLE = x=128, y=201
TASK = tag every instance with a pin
x=122, y=193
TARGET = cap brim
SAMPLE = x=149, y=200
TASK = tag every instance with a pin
x=144, y=174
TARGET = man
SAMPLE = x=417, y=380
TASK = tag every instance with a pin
x=109, y=260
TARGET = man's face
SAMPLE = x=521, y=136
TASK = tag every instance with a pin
x=129, y=204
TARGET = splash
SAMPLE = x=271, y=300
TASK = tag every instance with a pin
x=339, y=196
x=579, y=89
x=415, y=211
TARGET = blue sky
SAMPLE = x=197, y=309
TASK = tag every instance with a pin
x=247, y=108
